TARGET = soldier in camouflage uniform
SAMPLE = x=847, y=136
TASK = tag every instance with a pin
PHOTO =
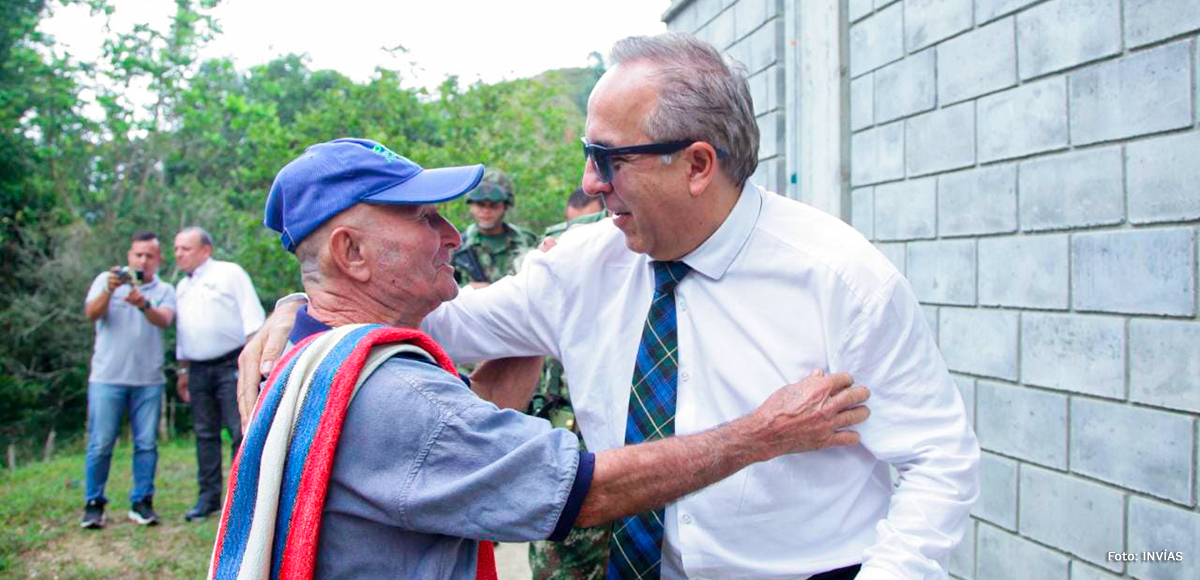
x=583, y=555
x=491, y=247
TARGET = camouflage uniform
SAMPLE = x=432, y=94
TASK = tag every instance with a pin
x=583, y=555
x=497, y=256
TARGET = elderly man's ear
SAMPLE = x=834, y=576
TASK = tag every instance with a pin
x=348, y=253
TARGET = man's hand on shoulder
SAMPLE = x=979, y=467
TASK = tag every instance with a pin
x=810, y=415
x=260, y=354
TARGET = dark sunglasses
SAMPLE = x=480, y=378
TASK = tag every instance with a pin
x=602, y=156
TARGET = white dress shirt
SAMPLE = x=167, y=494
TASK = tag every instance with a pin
x=218, y=309
x=779, y=290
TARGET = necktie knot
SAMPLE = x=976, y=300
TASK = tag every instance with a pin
x=667, y=276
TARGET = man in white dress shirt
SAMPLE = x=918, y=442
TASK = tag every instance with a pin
x=771, y=289
x=218, y=310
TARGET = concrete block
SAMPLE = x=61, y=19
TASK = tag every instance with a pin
x=1022, y=422
x=1029, y=119
x=1004, y=556
x=987, y=10
x=685, y=19
x=765, y=90
x=862, y=102
x=978, y=62
x=906, y=87
x=1163, y=178
x=1077, y=516
x=998, y=491
x=1081, y=571
x=877, y=154
x=765, y=46
x=928, y=21
x=1137, y=448
x=1029, y=272
x=940, y=140
x=707, y=10
x=907, y=210
x=1071, y=352
x=1076, y=189
x=979, y=342
x=941, y=272
x=862, y=211
x=1148, y=21
x=1063, y=33
x=1161, y=261
x=1141, y=93
x=750, y=14
x=895, y=254
x=877, y=40
x=962, y=557
x=966, y=388
x=1155, y=527
x=1164, y=363
x=721, y=33
x=770, y=130
x=858, y=9
x=978, y=201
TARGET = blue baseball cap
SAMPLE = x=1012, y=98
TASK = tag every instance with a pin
x=331, y=177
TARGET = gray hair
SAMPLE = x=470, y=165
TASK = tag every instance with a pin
x=205, y=239
x=702, y=96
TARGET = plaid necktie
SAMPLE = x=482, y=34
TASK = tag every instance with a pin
x=636, y=547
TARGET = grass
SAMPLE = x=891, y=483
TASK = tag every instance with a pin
x=41, y=503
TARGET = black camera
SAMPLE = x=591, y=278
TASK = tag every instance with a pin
x=127, y=275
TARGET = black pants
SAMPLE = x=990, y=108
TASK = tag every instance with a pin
x=847, y=573
x=213, y=388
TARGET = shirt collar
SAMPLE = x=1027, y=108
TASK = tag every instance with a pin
x=306, y=326
x=717, y=253
x=201, y=268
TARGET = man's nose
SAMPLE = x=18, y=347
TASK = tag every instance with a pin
x=592, y=184
x=450, y=235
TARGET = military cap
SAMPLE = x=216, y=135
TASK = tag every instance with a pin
x=495, y=186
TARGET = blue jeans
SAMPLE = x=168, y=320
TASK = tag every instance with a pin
x=106, y=404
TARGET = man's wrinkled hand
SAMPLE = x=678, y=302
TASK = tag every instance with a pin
x=810, y=415
x=260, y=354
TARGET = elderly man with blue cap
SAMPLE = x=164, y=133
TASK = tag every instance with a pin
x=368, y=457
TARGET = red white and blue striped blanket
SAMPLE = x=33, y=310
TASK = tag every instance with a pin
x=277, y=484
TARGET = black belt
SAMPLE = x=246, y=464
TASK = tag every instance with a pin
x=228, y=357
x=847, y=573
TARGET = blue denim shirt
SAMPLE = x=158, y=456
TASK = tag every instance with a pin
x=425, y=468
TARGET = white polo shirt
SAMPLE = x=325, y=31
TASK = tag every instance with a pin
x=129, y=350
x=218, y=309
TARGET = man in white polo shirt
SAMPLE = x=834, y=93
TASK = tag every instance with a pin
x=218, y=310
x=130, y=307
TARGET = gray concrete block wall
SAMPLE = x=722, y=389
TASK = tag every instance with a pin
x=1033, y=168
x=1064, y=144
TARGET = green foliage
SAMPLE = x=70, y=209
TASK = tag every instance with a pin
x=204, y=150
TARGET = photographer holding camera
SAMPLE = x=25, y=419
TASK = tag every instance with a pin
x=130, y=307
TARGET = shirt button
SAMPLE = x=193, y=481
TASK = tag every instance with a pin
x=682, y=304
x=684, y=376
x=687, y=519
